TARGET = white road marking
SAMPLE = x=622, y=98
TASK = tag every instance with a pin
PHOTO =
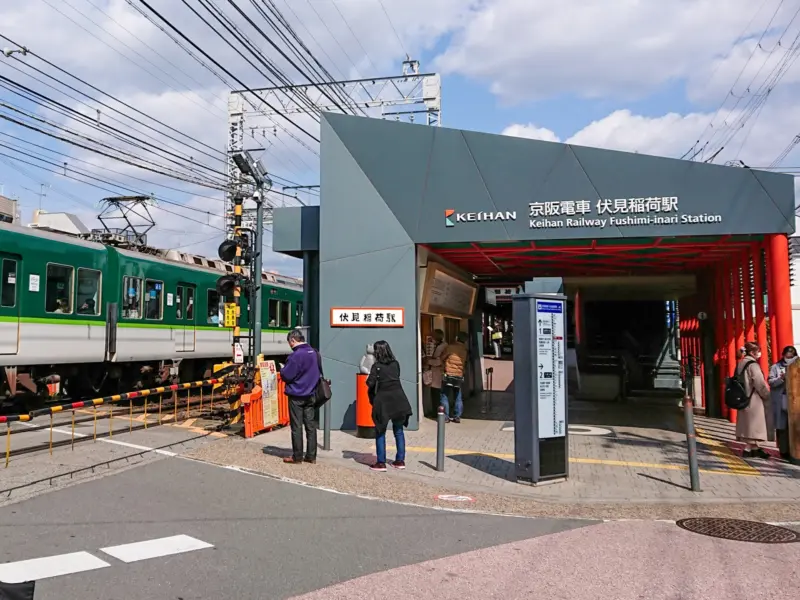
x=105, y=440
x=50, y=566
x=167, y=546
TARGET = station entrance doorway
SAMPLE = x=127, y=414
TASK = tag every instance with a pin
x=648, y=318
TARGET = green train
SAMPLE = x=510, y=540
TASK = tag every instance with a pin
x=98, y=318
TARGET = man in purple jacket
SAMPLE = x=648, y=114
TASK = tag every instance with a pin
x=301, y=375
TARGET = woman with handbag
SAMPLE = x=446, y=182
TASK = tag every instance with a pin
x=389, y=405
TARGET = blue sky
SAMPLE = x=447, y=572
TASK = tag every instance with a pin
x=645, y=77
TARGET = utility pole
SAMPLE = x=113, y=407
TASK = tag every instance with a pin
x=258, y=251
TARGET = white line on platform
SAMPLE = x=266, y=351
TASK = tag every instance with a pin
x=50, y=566
x=106, y=440
x=167, y=546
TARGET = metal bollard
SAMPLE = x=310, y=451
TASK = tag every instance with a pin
x=440, y=439
x=326, y=426
x=691, y=442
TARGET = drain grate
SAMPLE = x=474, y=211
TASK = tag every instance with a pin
x=739, y=530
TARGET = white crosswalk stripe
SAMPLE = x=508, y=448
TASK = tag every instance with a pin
x=78, y=562
x=167, y=546
x=50, y=566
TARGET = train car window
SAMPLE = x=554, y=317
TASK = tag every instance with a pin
x=189, y=304
x=153, y=298
x=179, y=302
x=87, y=296
x=299, y=313
x=273, y=312
x=8, y=285
x=131, y=298
x=214, y=308
x=285, y=314
x=58, y=289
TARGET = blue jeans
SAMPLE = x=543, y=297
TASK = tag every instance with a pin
x=399, y=440
x=446, y=391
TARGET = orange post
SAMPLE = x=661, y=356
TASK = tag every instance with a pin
x=772, y=318
x=780, y=296
x=365, y=426
x=253, y=407
x=283, y=402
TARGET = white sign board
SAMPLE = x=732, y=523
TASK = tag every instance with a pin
x=238, y=353
x=504, y=294
x=367, y=317
x=33, y=283
x=550, y=365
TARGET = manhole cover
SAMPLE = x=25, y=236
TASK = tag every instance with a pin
x=740, y=531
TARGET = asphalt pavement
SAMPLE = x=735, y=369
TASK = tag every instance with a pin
x=191, y=531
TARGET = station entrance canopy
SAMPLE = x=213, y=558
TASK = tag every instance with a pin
x=500, y=207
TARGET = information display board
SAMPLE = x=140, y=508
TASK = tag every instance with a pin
x=541, y=448
x=551, y=360
x=269, y=391
x=445, y=294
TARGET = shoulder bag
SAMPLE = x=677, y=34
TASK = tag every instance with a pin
x=322, y=392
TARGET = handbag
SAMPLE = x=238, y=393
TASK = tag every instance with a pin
x=322, y=391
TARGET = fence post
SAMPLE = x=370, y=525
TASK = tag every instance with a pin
x=440, y=439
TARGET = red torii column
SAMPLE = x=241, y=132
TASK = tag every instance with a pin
x=732, y=322
x=747, y=299
x=724, y=339
x=780, y=295
x=729, y=365
x=760, y=314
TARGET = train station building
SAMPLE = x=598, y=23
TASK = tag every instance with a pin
x=668, y=265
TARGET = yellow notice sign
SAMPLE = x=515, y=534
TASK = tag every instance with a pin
x=269, y=391
x=230, y=314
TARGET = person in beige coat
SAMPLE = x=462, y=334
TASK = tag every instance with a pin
x=751, y=425
x=436, y=366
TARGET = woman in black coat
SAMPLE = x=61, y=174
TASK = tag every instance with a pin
x=389, y=405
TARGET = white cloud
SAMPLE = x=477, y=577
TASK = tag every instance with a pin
x=619, y=48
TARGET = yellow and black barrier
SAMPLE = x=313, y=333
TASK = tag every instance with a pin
x=113, y=399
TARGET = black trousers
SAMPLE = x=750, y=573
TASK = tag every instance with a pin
x=301, y=416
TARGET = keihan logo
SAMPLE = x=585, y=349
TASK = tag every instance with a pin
x=451, y=217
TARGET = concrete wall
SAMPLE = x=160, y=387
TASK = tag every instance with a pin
x=366, y=259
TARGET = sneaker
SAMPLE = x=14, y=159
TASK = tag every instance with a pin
x=378, y=467
x=310, y=460
x=291, y=460
x=399, y=464
x=456, y=419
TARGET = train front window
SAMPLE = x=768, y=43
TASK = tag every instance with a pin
x=179, y=302
x=131, y=298
x=299, y=314
x=87, y=296
x=153, y=297
x=8, y=284
x=58, y=289
x=286, y=315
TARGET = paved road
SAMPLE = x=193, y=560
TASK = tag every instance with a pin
x=269, y=539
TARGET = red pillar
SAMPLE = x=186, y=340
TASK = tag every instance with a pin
x=726, y=329
x=780, y=300
x=760, y=315
x=774, y=353
x=747, y=299
x=738, y=323
x=730, y=327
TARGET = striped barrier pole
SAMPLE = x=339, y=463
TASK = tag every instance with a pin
x=95, y=402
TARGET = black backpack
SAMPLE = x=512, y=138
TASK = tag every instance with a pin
x=736, y=397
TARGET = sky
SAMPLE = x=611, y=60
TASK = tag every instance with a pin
x=676, y=78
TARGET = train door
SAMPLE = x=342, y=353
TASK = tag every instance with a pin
x=189, y=330
x=9, y=303
x=185, y=316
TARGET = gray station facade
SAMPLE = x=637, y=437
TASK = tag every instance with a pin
x=388, y=187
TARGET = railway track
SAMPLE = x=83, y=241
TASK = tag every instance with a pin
x=80, y=425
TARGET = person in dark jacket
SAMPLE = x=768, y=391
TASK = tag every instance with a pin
x=301, y=375
x=389, y=405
